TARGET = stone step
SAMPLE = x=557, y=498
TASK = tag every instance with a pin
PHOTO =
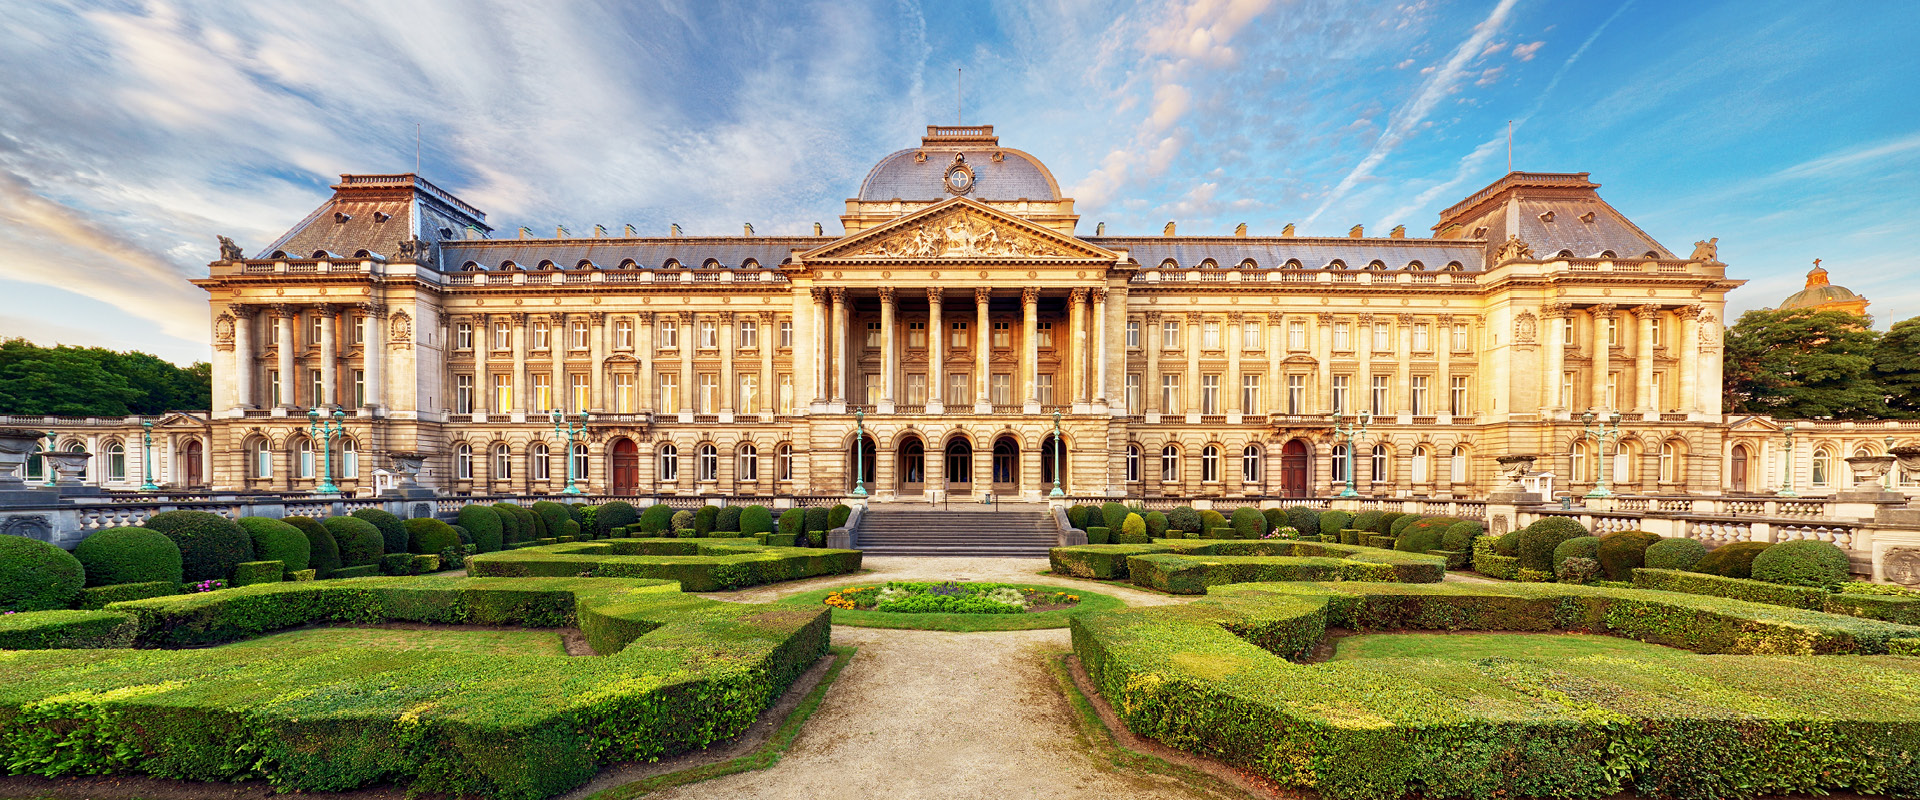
x=937, y=532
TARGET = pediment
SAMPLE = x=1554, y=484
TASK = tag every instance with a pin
x=1754, y=425
x=958, y=229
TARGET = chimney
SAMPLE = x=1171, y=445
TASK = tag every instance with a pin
x=1167, y=231
x=1240, y=230
x=1356, y=233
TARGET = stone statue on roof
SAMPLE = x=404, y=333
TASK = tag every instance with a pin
x=415, y=249
x=230, y=251
x=1707, y=252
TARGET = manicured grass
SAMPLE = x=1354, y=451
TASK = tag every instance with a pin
x=476, y=642
x=964, y=623
x=1470, y=646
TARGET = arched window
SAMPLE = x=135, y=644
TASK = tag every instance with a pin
x=1822, y=466
x=1170, y=463
x=502, y=462
x=1422, y=464
x=304, y=459
x=1379, y=464
x=783, y=462
x=709, y=462
x=1577, y=463
x=36, y=466
x=1340, y=463
x=349, y=459
x=1669, y=462
x=580, y=462
x=669, y=463
x=1133, y=463
x=1458, y=470
x=1210, y=464
x=260, y=455
x=1250, y=464
x=463, y=462
x=749, y=469
x=542, y=462
x=1621, y=469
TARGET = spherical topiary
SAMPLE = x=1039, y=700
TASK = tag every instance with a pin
x=703, y=519
x=1210, y=519
x=128, y=555
x=1622, y=551
x=466, y=536
x=1460, y=535
x=552, y=515
x=1133, y=530
x=323, y=553
x=1384, y=527
x=570, y=528
x=430, y=536
x=1576, y=547
x=530, y=523
x=1303, y=519
x=1426, y=533
x=838, y=515
x=1247, y=523
x=210, y=544
x=1731, y=560
x=510, y=531
x=1333, y=520
x=1802, y=563
x=274, y=540
x=1364, y=521
x=1508, y=544
x=1183, y=518
x=658, y=518
x=1276, y=518
x=1077, y=517
x=37, y=576
x=1156, y=525
x=755, y=519
x=791, y=521
x=361, y=544
x=1538, y=540
x=616, y=514
x=485, y=525
x=1113, y=515
x=682, y=523
x=1678, y=553
x=817, y=519
x=578, y=512
x=392, y=532
x=728, y=519
x=1399, y=526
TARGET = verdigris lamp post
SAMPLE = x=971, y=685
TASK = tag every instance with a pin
x=1786, y=475
x=570, y=430
x=1600, y=436
x=146, y=460
x=1056, y=458
x=859, y=452
x=1357, y=427
x=325, y=430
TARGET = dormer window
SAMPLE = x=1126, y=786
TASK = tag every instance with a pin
x=381, y=216
x=340, y=217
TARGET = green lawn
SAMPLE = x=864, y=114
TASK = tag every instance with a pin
x=476, y=642
x=1468, y=646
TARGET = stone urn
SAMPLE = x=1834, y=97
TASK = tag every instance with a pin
x=1870, y=471
x=16, y=444
x=1516, y=467
x=1908, y=456
x=409, y=466
x=67, y=466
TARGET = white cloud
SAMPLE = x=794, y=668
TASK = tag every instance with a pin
x=1526, y=52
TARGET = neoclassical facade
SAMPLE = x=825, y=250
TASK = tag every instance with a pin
x=960, y=316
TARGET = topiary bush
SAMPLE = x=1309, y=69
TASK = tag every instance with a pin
x=1538, y=540
x=1077, y=517
x=530, y=523
x=510, y=531
x=552, y=515
x=703, y=519
x=755, y=519
x=1333, y=520
x=1731, y=560
x=485, y=525
x=1211, y=519
x=1803, y=563
x=1365, y=520
x=1183, y=518
x=578, y=512
x=1508, y=544
x=323, y=553
x=1678, y=553
x=838, y=515
x=361, y=544
x=112, y=556
x=681, y=525
x=1576, y=569
x=37, y=575
x=727, y=519
x=1424, y=534
x=589, y=520
x=656, y=520
x=466, y=536
x=1156, y=525
x=1247, y=523
x=571, y=528
x=1384, y=526
x=1133, y=530
x=1113, y=515
x=210, y=544
x=1401, y=524
x=1622, y=551
x=274, y=540
x=1275, y=517
x=1099, y=534
x=1304, y=519
x=392, y=532
x=616, y=514
x=1460, y=535
x=792, y=521
x=1576, y=547
x=818, y=518
x=429, y=536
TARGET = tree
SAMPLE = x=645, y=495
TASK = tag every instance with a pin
x=92, y=381
x=1896, y=365
x=1802, y=363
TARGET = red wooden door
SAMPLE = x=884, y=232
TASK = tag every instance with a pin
x=626, y=467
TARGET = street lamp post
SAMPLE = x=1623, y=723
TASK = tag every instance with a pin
x=859, y=450
x=1056, y=458
x=560, y=417
x=1351, y=429
x=1786, y=475
x=324, y=430
x=146, y=459
x=1887, y=481
x=1600, y=435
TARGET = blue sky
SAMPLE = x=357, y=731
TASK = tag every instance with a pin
x=132, y=133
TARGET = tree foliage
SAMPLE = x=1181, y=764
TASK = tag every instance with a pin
x=1799, y=363
x=96, y=382
x=1896, y=366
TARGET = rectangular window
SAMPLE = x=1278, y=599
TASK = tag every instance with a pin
x=542, y=335
x=1170, y=394
x=872, y=381
x=669, y=334
x=1382, y=337
x=669, y=390
x=1250, y=394
x=1297, y=394
x=957, y=335
x=359, y=388
x=1002, y=389
x=622, y=335
x=749, y=334
x=1659, y=333
x=1338, y=397
x=577, y=335
x=1460, y=338
x=709, y=334
x=1043, y=334
x=502, y=336
x=1250, y=337
x=463, y=336
x=959, y=388
x=786, y=333
x=1566, y=330
x=273, y=382
x=786, y=392
x=1133, y=334
x=463, y=394
x=1043, y=388
x=1613, y=332
x=1296, y=335
x=916, y=335
x=1133, y=393
x=542, y=391
x=1566, y=390
x=357, y=330
x=319, y=396
x=1209, y=394
x=917, y=389
x=502, y=393
x=1417, y=398
x=1613, y=393
x=1379, y=400
x=623, y=394
x=1420, y=344
x=1210, y=336
x=1002, y=334
x=1457, y=396
x=1342, y=337
x=318, y=326
x=1659, y=395
x=873, y=335
x=748, y=393
x=709, y=395
x=1170, y=336
x=580, y=391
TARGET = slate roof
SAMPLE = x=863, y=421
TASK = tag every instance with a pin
x=692, y=252
x=1553, y=213
x=1312, y=253
x=1017, y=176
x=375, y=213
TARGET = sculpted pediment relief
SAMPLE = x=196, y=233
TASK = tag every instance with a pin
x=958, y=229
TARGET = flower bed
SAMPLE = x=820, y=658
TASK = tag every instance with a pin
x=948, y=606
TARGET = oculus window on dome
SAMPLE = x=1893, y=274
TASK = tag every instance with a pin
x=959, y=175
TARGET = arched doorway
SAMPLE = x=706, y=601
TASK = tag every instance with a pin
x=862, y=459
x=912, y=469
x=626, y=468
x=1294, y=468
x=1006, y=466
x=1052, y=449
x=195, y=477
x=959, y=467
x=1738, y=480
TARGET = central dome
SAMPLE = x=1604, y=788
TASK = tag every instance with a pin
x=984, y=170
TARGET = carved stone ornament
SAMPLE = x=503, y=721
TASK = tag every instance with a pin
x=1525, y=328
x=1499, y=525
x=416, y=249
x=401, y=328
x=223, y=331
x=1909, y=457
x=1869, y=471
x=960, y=234
x=1902, y=565
x=230, y=251
x=1515, y=467
x=1707, y=252
x=31, y=526
x=1514, y=249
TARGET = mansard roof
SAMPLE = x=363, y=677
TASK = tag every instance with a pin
x=918, y=174
x=375, y=213
x=688, y=252
x=1554, y=213
x=1311, y=253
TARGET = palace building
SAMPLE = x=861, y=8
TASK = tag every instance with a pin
x=960, y=317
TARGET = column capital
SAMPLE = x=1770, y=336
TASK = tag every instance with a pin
x=1153, y=317
x=839, y=294
x=1403, y=319
x=326, y=310
x=377, y=309
x=1553, y=310
x=1194, y=317
x=1098, y=295
x=1275, y=318
x=1029, y=296
x=557, y=317
x=726, y=317
x=1325, y=318
x=644, y=317
x=766, y=317
x=982, y=295
x=284, y=310
x=519, y=319
x=1646, y=310
x=1443, y=319
x=242, y=310
x=886, y=295
x=1603, y=310
x=820, y=295
x=935, y=295
x=1688, y=312
x=1078, y=295
x=1236, y=317
x=597, y=318
x=686, y=317
x=1363, y=319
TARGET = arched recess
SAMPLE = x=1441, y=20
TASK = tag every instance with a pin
x=194, y=455
x=1296, y=464
x=624, y=467
x=910, y=467
x=1006, y=465
x=959, y=465
x=1739, y=478
x=860, y=457
x=1056, y=458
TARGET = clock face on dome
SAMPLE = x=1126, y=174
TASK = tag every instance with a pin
x=959, y=178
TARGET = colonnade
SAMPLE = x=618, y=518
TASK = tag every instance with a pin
x=288, y=348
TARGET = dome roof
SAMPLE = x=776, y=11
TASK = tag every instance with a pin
x=920, y=173
x=1821, y=293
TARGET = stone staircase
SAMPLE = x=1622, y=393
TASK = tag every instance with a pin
x=888, y=531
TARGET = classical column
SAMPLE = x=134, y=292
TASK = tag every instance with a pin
x=1030, y=346
x=597, y=357
x=243, y=366
x=1360, y=394
x=1153, y=343
x=1236, y=336
x=644, y=350
x=373, y=353
x=982, y=358
x=1602, y=351
x=821, y=338
x=839, y=344
x=1077, y=363
x=557, y=345
x=686, y=348
x=329, y=385
x=283, y=319
x=936, y=362
x=1403, y=369
x=889, y=352
x=728, y=386
x=521, y=385
x=1689, y=363
x=1442, y=394
x=1116, y=343
x=1644, y=401
x=1190, y=339
x=1101, y=347
x=1323, y=357
x=482, y=378
x=1275, y=383
x=1554, y=316
x=769, y=394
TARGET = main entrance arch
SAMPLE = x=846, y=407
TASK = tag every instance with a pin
x=959, y=458
x=626, y=468
x=1295, y=466
x=911, y=468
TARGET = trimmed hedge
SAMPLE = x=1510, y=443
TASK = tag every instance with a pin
x=552, y=515
x=361, y=544
x=1193, y=574
x=1538, y=540
x=429, y=535
x=1577, y=547
x=1424, y=534
x=1333, y=521
x=100, y=596
x=1099, y=534
x=37, y=575
x=699, y=565
x=1133, y=530
x=1111, y=562
x=1676, y=553
x=1887, y=608
x=210, y=544
x=1399, y=526
x=657, y=519
x=1100, y=561
x=1802, y=563
x=838, y=515
x=113, y=556
x=485, y=525
x=510, y=531
x=1366, y=520
x=1156, y=525
x=1623, y=551
x=275, y=540
x=1077, y=516
x=1275, y=518
x=1488, y=561
x=1183, y=518
x=755, y=519
x=1731, y=560
x=1461, y=535
x=1248, y=523
x=682, y=524
x=615, y=514
x=66, y=630
x=393, y=532
x=818, y=519
x=250, y=573
x=1384, y=526
x=676, y=673
x=1114, y=515
x=793, y=521
x=727, y=519
x=704, y=518
x=1304, y=519
x=361, y=571
x=323, y=553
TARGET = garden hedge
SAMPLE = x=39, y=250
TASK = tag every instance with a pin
x=1133, y=530
x=1399, y=525
x=704, y=518
x=361, y=571
x=510, y=531
x=1211, y=677
x=37, y=575
x=657, y=519
x=1731, y=560
x=100, y=596
x=1334, y=520
x=210, y=544
x=393, y=532
x=1156, y=525
x=1248, y=523
x=1113, y=562
x=675, y=673
x=323, y=552
x=1077, y=516
x=1460, y=536
x=703, y=565
x=249, y=573
x=1576, y=547
x=1488, y=561
x=532, y=526
x=682, y=524
x=361, y=544
x=1887, y=608
x=114, y=556
x=1621, y=552
x=430, y=536
x=1802, y=563
x=1194, y=574
x=755, y=519
x=1182, y=518
x=1099, y=534
x=485, y=525
x=792, y=521
x=727, y=519
x=1424, y=534
x=275, y=540
x=818, y=518
x=1304, y=519
x=619, y=514
x=838, y=515
x=1538, y=540
x=1114, y=515
x=552, y=515
x=1384, y=526
x=1676, y=553
x=1275, y=518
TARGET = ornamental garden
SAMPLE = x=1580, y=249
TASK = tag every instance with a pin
x=517, y=652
